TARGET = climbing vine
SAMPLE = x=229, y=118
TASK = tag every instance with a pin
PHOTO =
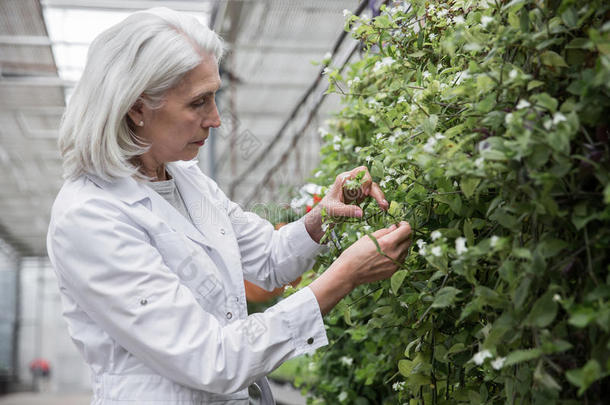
x=486, y=125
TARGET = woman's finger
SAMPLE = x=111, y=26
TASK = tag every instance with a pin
x=378, y=195
x=401, y=234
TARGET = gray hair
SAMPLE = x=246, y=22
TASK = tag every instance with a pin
x=140, y=58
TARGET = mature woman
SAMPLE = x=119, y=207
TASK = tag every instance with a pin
x=151, y=256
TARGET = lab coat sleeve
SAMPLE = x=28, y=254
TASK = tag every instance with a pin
x=270, y=258
x=119, y=279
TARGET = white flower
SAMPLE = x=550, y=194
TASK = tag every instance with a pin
x=439, y=136
x=337, y=146
x=346, y=361
x=435, y=235
x=485, y=20
x=326, y=71
x=556, y=297
x=327, y=55
x=513, y=74
x=422, y=251
x=323, y=132
x=368, y=159
x=387, y=61
x=318, y=173
x=426, y=74
x=392, y=171
x=373, y=119
x=342, y=396
x=559, y=117
x=421, y=243
x=508, y=118
x=378, y=136
x=480, y=357
x=346, y=12
x=442, y=12
x=494, y=241
x=479, y=162
x=401, y=99
x=436, y=251
x=547, y=124
x=398, y=386
x=336, y=139
x=311, y=366
x=460, y=245
x=432, y=35
x=357, y=149
x=498, y=363
x=523, y=104
x=458, y=19
x=429, y=146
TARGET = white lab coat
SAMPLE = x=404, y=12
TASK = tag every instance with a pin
x=156, y=305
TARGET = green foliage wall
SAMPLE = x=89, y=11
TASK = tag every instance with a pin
x=486, y=124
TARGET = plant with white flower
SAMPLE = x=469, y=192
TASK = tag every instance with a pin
x=509, y=118
x=368, y=159
x=498, y=363
x=398, y=386
x=558, y=117
x=392, y=171
x=557, y=298
x=523, y=104
x=432, y=36
x=460, y=245
x=372, y=119
x=380, y=64
x=479, y=162
x=429, y=145
x=436, y=251
x=486, y=20
x=342, y=396
x=458, y=20
x=513, y=74
x=378, y=135
x=346, y=361
x=439, y=136
x=493, y=242
x=326, y=71
x=435, y=235
x=479, y=357
x=426, y=74
x=401, y=100
x=346, y=12
x=337, y=147
x=421, y=244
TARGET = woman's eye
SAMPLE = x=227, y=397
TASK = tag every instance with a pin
x=199, y=103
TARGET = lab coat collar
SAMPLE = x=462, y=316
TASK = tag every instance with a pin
x=130, y=191
x=127, y=189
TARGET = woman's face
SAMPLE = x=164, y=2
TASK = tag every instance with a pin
x=180, y=127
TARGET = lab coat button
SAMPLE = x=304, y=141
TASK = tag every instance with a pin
x=222, y=231
x=229, y=315
x=143, y=301
x=310, y=341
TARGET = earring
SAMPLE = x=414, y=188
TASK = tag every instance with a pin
x=141, y=123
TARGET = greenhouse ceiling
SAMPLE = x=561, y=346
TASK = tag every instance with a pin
x=268, y=123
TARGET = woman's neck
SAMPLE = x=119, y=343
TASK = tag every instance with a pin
x=153, y=169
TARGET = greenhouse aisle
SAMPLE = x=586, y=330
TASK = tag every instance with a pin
x=284, y=395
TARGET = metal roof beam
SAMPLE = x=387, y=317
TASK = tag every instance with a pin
x=193, y=6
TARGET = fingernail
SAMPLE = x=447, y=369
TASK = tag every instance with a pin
x=385, y=202
x=359, y=213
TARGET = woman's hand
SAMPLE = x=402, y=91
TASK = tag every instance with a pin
x=338, y=199
x=361, y=263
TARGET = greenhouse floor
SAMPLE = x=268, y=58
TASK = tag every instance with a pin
x=284, y=395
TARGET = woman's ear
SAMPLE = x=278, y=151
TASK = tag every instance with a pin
x=136, y=113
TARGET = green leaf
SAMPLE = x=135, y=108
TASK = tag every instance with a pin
x=581, y=317
x=546, y=101
x=469, y=185
x=519, y=356
x=397, y=280
x=553, y=59
x=585, y=376
x=396, y=209
x=543, y=312
x=445, y=297
x=534, y=84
